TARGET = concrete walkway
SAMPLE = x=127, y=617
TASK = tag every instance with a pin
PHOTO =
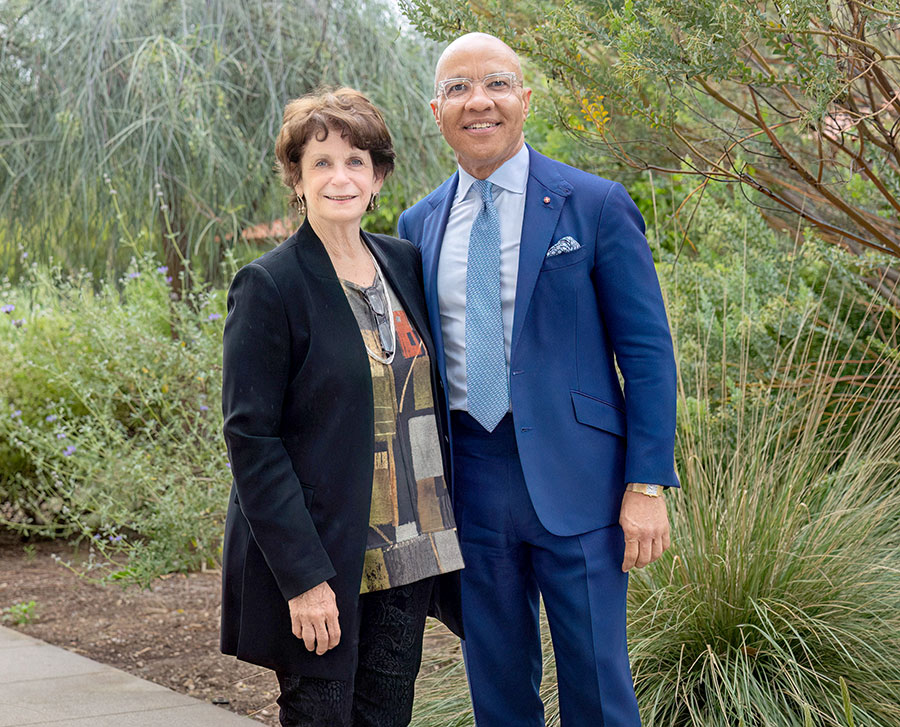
x=44, y=685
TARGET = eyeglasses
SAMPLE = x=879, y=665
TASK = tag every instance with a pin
x=495, y=85
x=377, y=304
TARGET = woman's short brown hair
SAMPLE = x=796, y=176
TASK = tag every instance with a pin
x=344, y=110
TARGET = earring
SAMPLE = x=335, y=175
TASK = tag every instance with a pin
x=373, y=203
x=301, y=205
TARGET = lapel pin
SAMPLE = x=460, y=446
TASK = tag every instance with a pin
x=546, y=200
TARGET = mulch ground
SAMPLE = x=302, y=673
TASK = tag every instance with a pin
x=168, y=634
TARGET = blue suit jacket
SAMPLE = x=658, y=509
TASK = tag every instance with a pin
x=580, y=437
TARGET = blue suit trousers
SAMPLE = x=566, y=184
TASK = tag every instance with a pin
x=512, y=561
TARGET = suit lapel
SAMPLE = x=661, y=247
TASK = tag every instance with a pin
x=433, y=227
x=545, y=196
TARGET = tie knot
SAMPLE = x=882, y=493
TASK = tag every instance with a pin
x=486, y=190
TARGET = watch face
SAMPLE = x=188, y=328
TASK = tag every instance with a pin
x=652, y=489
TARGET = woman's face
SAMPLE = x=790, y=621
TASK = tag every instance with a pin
x=338, y=180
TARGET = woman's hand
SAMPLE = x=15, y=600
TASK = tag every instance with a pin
x=314, y=618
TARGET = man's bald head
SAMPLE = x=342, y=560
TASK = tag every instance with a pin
x=482, y=124
x=475, y=43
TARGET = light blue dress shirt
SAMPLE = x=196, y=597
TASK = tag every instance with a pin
x=511, y=180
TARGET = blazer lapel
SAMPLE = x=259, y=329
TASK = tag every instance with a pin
x=312, y=253
x=545, y=196
x=433, y=227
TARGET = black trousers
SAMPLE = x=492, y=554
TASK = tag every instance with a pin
x=391, y=625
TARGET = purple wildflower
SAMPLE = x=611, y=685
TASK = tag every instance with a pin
x=60, y=435
x=19, y=322
x=51, y=418
x=203, y=407
x=168, y=278
x=16, y=414
x=8, y=308
x=214, y=316
x=162, y=269
x=69, y=451
x=116, y=539
x=134, y=274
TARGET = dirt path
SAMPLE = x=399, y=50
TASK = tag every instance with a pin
x=168, y=634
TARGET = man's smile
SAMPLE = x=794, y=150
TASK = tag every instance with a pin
x=481, y=125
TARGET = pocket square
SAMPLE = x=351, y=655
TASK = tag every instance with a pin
x=563, y=245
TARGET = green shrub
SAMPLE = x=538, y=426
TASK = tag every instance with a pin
x=737, y=292
x=110, y=423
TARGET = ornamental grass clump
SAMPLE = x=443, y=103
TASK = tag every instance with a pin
x=784, y=577
x=110, y=425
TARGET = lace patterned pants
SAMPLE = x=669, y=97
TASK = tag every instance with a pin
x=390, y=650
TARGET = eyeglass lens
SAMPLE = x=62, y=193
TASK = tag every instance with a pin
x=496, y=85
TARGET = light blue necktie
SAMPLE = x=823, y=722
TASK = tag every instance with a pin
x=487, y=386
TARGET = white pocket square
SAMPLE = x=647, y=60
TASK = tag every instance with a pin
x=564, y=245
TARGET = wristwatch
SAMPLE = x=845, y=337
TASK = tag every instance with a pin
x=645, y=489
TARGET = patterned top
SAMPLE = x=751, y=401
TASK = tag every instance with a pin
x=412, y=534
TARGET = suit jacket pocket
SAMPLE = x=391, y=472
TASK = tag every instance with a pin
x=598, y=414
x=564, y=260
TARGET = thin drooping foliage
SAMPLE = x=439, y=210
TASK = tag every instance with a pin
x=144, y=124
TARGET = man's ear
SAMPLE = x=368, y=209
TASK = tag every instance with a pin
x=526, y=100
x=434, y=110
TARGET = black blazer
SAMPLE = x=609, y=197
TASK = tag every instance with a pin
x=299, y=426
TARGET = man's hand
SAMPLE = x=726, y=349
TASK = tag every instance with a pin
x=645, y=522
x=314, y=618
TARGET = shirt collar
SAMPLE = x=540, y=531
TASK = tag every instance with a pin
x=512, y=176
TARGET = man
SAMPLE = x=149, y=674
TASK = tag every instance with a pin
x=538, y=281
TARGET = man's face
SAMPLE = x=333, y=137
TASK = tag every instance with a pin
x=483, y=131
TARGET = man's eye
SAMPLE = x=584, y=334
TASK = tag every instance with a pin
x=498, y=84
x=457, y=88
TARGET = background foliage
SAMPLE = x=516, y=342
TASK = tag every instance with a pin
x=795, y=102
x=159, y=118
x=110, y=417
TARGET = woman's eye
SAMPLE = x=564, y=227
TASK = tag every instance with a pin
x=321, y=163
x=356, y=162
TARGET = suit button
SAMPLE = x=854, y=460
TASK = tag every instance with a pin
x=527, y=429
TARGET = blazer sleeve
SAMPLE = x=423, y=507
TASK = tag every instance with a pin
x=401, y=227
x=255, y=373
x=635, y=316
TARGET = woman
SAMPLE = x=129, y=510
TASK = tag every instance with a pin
x=340, y=520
